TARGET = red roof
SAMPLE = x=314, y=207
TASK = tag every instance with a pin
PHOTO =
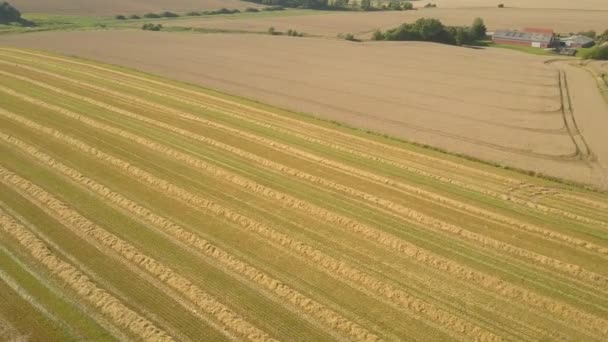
x=538, y=30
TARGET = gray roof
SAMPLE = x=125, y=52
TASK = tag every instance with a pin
x=582, y=40
x=523, y=36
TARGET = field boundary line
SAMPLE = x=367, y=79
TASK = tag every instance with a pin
x=80, y=283
x=202, y=246
x=514, y=292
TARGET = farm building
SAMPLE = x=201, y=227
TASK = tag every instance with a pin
x=578, y=41
x=540, y=38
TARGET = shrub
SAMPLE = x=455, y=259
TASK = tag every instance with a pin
x=378, y=35
x=348, y=36
x=193, y=14
x=597, y=53
x=151, y=15
x=168, y=14
x=272, y=31
x=430, y=5
x=221, y=11
x=120, y=17
x=152, y=27
x=251, y=9
x=294, y=33
x=134, y=16
x=501, y=5
x=407, y=6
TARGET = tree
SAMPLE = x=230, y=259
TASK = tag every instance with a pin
x=366, y=5
x=478, y=29
x=9, y=14
x=429, y=29
x=461, y=36
x=598, y=53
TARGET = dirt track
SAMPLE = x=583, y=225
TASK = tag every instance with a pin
x=363, y=24
x=478, y=104
x=113, y=7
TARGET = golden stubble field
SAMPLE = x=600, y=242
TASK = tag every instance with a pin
x=497, y=105
x=134, y=207
x=363, y=24
x=114, y=7
x=546, y=4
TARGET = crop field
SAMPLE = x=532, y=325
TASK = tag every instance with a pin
x=362, y=24
x=114, y=7
x=136, y=207
x=547, y=4
x=469, y=101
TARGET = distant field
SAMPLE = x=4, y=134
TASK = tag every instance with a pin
x=561, y=4
x=494, y=104
x=363, y=24
x=135, y=207
x=113, y=7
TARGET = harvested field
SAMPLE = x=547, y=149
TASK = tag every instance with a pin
x=363, y=24
x=114, y=7
x=476, y=104
x=547, y=4
x=136, y=207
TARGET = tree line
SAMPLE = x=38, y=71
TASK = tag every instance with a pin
x=432, y=30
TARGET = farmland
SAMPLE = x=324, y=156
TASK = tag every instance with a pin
x=362, y=24
x=136, y=207
x=113, y=7
x=467, y=101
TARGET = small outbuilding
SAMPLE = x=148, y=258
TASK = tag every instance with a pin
x=540, y=38
x=578, y=41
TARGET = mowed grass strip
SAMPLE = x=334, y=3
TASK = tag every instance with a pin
x=178, y=145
